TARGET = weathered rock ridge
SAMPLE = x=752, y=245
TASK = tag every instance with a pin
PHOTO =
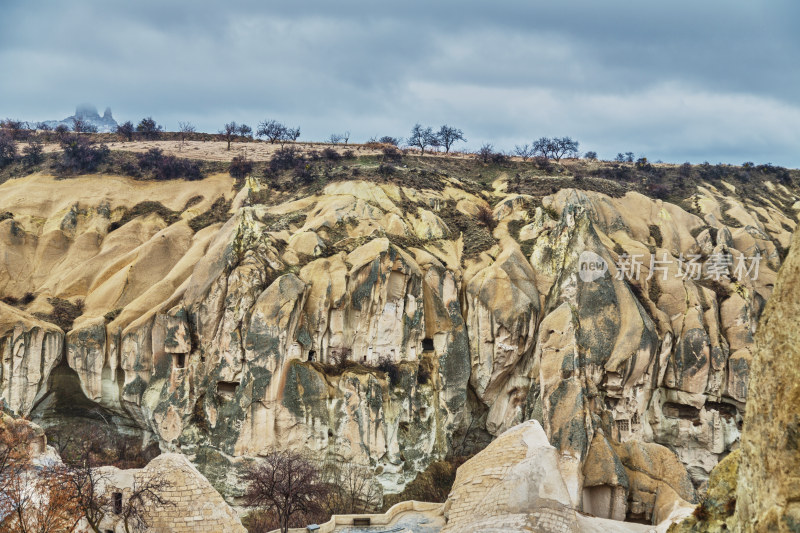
x=226, y=342
x=768, y=488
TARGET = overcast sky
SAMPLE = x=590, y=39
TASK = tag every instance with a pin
x=696, y=80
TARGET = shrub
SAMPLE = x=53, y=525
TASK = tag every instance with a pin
x=33, y=154
x=423, y=374
x=701, y=512
x=81, y=154
x=485, y=152
x=348, y=154
x=385, y=169
x=8, y=149
x=499, y=158
x=63, y=314
x=168, y=167
x=390, y=368
x=142, y=209
x=386, y=139
x=61, y=131
x=486, y=217
x=17, y=302
x=591, y=156
x=148, y=128
x=218, y=212
x=285, y=159
x=125, y=130
x=658, y=191
x=392, y=154
x=17, y=129
x=543, y=164
x=431, y=485
x=240, y=167
x=330, y=154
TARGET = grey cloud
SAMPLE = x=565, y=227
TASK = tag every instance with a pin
x=680, y=80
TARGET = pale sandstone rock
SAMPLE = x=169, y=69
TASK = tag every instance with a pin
x=507, y=337
x=768, y=493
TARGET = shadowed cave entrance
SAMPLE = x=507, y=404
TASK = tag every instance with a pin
x=74, y=424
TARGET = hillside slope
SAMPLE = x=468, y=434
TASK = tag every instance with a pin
x=391, y=321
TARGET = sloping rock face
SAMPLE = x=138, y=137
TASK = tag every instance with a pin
x=516, y=484
x=768, y=491
x=383, y=325
x=512, y=485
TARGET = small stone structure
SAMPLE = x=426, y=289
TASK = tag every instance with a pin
x=513, y=485
x=195, y=506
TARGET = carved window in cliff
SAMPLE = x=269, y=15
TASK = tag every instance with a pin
x=311, y=355
x=117, y=499
x=179, y=360
x=624, y=426
x=227, y=389
x=427, y=344
x=635, y=419
x=677, y=410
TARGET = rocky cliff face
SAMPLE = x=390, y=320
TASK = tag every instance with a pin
x=384, y=324
x=768, y=490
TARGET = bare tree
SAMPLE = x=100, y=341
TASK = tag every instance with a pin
x=186, y=129
x=335, y=138
x=346, y=137
x=272, y=130
x=352, y=488
x=93, y=496
x=448, y=135
x=32, y=500
x=421, y=137
x=289, y=134
x=486, y=152
x=79, y=125
x=286, y=483
x=525, y=151
x=555, y=148
x=17, y=129
x=229, y=132
x=244, y=131
x=37, y=500
x=565, y=146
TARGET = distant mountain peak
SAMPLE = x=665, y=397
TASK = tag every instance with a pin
x=88, y=113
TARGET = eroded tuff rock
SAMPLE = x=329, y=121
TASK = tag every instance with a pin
x=516, y=484
x=768, y=490
x=227, y=342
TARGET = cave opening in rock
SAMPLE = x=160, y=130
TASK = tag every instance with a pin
x=679, y=410
x=311, y=355
x=71, y=420
x=427, y=344
x=117, y=496
x=179, y=360
x=227, y=389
